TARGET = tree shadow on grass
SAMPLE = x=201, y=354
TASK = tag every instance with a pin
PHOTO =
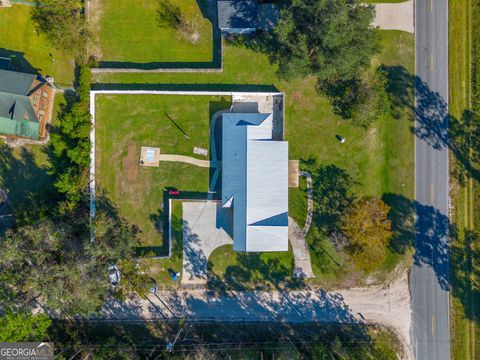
x=429, y=233
x=255, y=271
x=27, y=185
x=434, y=125
x=465, y=269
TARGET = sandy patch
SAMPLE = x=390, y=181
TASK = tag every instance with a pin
x=94, y=14
x=130, y=164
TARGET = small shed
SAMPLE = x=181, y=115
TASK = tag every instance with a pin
x=238, y=16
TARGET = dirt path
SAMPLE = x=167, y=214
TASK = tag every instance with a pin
x=130, y=163
x=387, y=305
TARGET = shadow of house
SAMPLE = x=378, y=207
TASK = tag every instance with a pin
x=17, y=62
x=26, y=184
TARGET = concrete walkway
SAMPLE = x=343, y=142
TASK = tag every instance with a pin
x=395, y=16
x=387, y=305
x=188, y=160
x=298, y=236
x=301, y=254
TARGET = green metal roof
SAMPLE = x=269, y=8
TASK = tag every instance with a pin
x=22, y=128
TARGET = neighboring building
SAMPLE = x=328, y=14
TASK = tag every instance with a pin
x=255, y=182
x=237, y=16
x=26, y=103
x=246, y=16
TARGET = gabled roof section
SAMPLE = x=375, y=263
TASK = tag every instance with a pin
x=17, y=83
x=255, y=182
x=16, y=107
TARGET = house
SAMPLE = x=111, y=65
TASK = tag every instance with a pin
x=237, y=16
x=26, y=103
x=246, y=16
x=255, y=182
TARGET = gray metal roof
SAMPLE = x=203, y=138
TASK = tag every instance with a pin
x=17, y=115
x=237, y=14
x=13, y=82
x=16, y=107
x=255, y=182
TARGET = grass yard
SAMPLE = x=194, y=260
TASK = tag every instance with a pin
x=380, y=160
x=159, y=267
x=123, y=124
x=464, y=46
x=249, y=270
x=31, y=50
x=127, y=31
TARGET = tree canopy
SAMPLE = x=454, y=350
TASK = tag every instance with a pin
x=368, y=231
x=22, y=326
x=330, y=39
x=62, y=22
x=57, y=263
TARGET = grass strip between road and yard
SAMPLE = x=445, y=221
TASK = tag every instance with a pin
x=464, y=82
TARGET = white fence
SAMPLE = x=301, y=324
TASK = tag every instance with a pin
x=94, y=93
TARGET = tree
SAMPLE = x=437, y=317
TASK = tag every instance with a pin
x=22, y=326
x=331, y=196
x=170, y=16
x=368, y=230
x=63, y=24
x=332, y=40
x=57, y=263
x=70, y=147
x=134, y=278
x=363, y=99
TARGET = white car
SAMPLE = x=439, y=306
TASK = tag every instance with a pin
x=114, y=275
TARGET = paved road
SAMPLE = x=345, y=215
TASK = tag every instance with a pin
x=429, y=278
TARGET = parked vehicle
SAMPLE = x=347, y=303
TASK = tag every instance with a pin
x=114, y=275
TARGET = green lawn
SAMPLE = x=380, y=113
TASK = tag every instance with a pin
x=379, y=160
x=464, y=43
x=127, y=31
x=249, y=270
x=123, y=124
x=18, y=38
x=159, y=267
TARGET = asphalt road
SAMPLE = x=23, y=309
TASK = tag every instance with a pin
x=429, y=277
